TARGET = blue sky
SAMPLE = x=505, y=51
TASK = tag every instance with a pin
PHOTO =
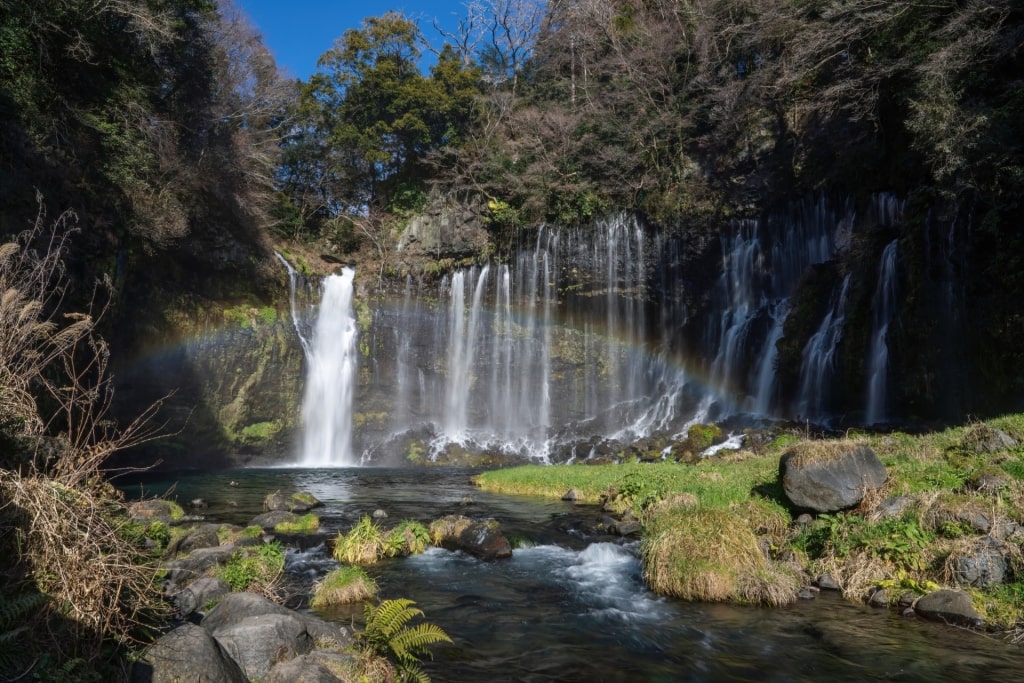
x=299, y=31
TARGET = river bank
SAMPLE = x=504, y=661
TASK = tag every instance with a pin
x=947, y=515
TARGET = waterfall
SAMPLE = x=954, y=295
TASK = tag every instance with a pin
x=762, y=262
x=882, y=307
x=331, y=377
x=818, y=364
x=293, y=285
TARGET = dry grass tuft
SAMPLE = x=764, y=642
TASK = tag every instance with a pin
x=711, y=555
x=343, y=586
x=856, y=572
x=812, y=451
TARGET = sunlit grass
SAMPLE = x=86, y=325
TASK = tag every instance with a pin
x=723, y=529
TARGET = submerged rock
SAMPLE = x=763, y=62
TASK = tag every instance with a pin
x=291, y=502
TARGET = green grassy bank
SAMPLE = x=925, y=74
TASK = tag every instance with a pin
x=723, y=530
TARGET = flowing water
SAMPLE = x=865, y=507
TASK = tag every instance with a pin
x=331, y=377
x=882, y=307
x=570, y=608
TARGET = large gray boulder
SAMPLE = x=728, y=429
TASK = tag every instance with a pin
x=188, y=653
x=257, y=642
x=950, y=606
x=828, y=477
x=235, y=607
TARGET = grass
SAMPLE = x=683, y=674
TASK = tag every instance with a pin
x=343, y=586
x=306, y=524
x=256, y=569
x=722, y=529
x=363, y=544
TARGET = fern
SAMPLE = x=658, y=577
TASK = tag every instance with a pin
x=13, y=611
x=387, y=634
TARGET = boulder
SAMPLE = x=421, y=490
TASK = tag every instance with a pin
x=186, y=569
x=234, y=607
x=302, y=669
x=572, y=495
x=481, y=538
x=205, y=536
x=256, y=632
x=827, y=582
x=257, y=642
x=983, y=565
x=290, y=502
x=268, y=520
x=829, y=478
x=188, y=653
x=198, y=594
x=950, y=606
x=891, y=508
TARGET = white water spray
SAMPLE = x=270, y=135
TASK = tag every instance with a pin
x=881, y=314
x=331, y=378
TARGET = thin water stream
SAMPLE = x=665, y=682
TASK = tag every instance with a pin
x=570, y=608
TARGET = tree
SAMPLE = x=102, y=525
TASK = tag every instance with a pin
x=368, y=121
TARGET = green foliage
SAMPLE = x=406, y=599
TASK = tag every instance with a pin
x=387, y=634
x=253, y=568
x=16, y=615
x=260, y=431
x=137, y=531
x=408, y=538
x=306, y=524
x=363, y=544
x=899, y=542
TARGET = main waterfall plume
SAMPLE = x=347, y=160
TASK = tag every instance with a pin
x=331, y=378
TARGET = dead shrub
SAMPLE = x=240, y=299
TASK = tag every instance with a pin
x=68, y=540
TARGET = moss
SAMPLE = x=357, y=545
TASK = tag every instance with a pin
x=260, y=431
x=253, y=568
x=306, y=524
x=408, y=538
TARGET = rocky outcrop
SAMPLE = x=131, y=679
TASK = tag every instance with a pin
x=188, y=653
x=444, y=230
x=245, y=637
x=829, y=477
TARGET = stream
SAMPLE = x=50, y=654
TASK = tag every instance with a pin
x=569, y=608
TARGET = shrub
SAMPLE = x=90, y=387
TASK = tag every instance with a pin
x=363, y=544
x=408, y=538
x=343, y=586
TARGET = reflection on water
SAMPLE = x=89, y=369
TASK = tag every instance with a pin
x=560, y=610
